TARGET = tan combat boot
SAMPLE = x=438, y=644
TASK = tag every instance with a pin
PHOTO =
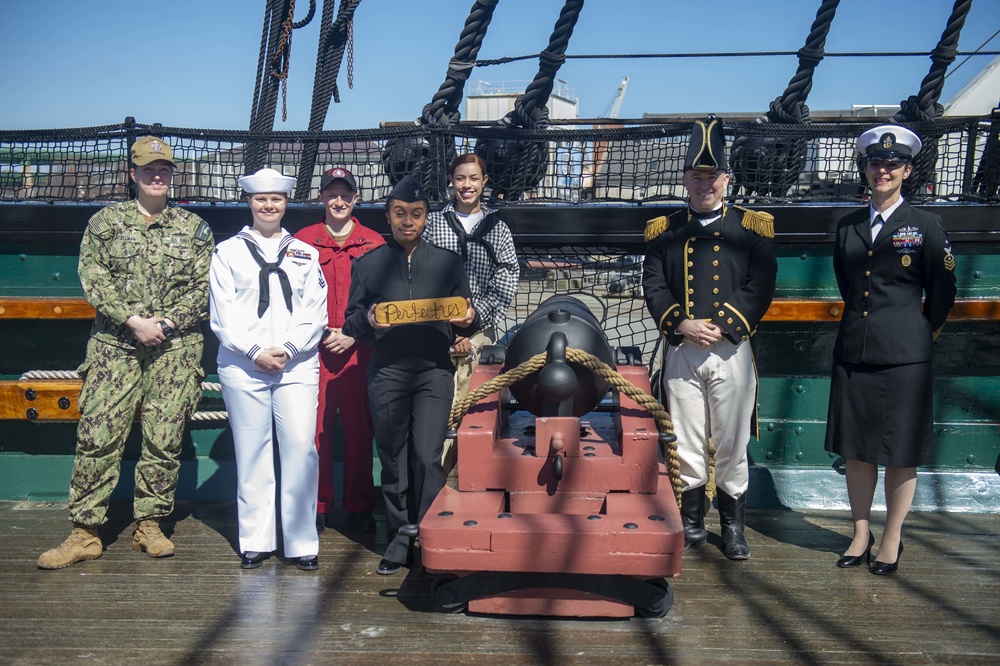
x=149, y=539
x=81, y=544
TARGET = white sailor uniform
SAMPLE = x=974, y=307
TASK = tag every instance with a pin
x=290, y=315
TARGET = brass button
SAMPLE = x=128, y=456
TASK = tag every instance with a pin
x=677, y=313
x=723, y=314
x=868, y=273
x=670, y=323
x=716, y=248
x=866, y=294
x=715, y=263
x=715, y=277
x=744, y=337
x=870, y=253
x=690, y=250
x=717, y=233
x=865, y=313
x=715, y=304
x=690, y=304
x=739, y=328
x=715, y=291
x=729, y=321
x=690, y=291
x=690, y=264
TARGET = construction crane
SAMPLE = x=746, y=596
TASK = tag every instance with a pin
x=616, y=105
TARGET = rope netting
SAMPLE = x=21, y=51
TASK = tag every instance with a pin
x=632, y=164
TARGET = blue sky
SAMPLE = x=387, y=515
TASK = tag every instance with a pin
x=192, y=63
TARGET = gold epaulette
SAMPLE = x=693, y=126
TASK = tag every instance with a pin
x=655, y=227
x=759, y=222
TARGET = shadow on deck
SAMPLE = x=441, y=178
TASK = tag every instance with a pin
x=788, y=604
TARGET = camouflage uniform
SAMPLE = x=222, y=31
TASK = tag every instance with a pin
x=128, y=269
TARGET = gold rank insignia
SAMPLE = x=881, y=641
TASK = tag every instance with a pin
x=906, y=260
x=655, y=227
x=757, y=221
x=949, y=262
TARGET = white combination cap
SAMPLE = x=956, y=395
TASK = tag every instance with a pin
x=889, y=142
x=267, y=180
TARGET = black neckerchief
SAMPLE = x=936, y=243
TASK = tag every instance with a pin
x=266, y=269
x=695, y=215
x=478, y=235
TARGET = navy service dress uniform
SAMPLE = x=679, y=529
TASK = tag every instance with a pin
x=717, y=266
x=255, y=308
x=881, y=398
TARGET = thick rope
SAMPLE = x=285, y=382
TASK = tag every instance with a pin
x=924, y=106
x=265, y=99
x=442, y=112
x=792, y=106
x=724, y=54
x=335, y=37
x=518, y=166
x=598, y=367
x=72, y=374
x=528, y=106
x=770, y=166
x=443, y=109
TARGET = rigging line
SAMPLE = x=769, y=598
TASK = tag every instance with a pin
x=971, y=54
x=729, y=54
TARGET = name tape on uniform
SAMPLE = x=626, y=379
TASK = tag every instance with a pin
x=420, y=310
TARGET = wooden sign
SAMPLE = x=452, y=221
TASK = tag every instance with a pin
x=420, y=310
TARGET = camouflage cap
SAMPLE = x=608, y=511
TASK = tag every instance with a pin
x=149, y=149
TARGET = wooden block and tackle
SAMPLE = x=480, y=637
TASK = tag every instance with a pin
x=420, y=310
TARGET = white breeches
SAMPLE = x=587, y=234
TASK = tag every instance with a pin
x=710, y=394
x=257, y=400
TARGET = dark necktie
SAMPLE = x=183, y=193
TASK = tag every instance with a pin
x=266, y=269
x=877, y=220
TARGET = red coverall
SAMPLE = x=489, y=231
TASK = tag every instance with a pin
x=343, y=382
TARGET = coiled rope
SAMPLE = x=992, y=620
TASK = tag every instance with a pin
x=598, y=367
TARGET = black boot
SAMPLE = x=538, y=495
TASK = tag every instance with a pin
x=731, y=518
x=693, y=516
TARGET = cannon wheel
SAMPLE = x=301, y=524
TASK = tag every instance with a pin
x=661, y=599
x=442, y=597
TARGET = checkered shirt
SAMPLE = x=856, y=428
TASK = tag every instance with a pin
x=494, y=285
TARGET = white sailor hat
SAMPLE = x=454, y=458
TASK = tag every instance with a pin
x=266, y=180
x=889, y=142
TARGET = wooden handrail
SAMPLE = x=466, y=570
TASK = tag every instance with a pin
x=782, y=309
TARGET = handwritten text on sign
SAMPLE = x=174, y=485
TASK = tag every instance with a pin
x=424, y=309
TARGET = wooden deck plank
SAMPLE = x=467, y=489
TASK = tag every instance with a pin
x=788, y=604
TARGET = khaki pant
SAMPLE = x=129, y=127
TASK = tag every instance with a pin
x=465, y=365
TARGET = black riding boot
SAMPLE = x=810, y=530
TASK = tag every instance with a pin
x=731, y=518
x=693, y=516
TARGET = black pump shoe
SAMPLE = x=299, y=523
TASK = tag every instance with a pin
x=848, y=561
x=251, y=560
x=882, y=569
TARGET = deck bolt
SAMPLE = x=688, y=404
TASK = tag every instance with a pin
x=31, y=394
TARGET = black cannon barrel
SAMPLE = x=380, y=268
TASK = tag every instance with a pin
x=570, y=317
